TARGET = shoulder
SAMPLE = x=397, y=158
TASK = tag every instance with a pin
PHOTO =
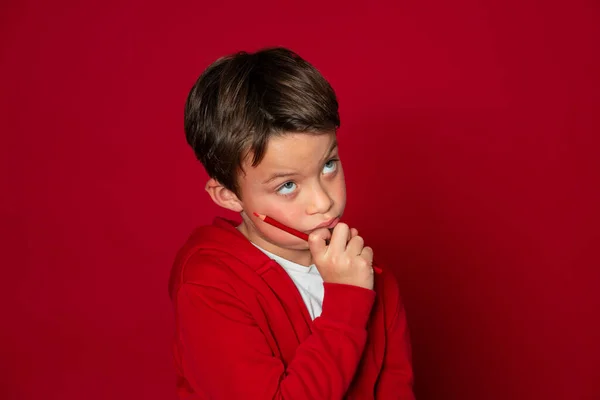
x=214, y=253
x=202, y=267
x=206, y=259
x=209, y=267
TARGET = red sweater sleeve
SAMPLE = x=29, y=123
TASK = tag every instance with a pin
x=396, y=379
x=225, y=354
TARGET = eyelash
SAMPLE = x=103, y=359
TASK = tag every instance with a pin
x=288, y=195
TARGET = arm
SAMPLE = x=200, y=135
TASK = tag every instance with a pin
x=396, y=378
x=226, y=356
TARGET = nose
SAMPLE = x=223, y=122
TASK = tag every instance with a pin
x=320, y=201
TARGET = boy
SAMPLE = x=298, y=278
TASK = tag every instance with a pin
x=261, y=314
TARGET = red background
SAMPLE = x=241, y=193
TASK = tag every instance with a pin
x=469, y=133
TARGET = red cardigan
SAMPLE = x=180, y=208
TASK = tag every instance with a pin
x=243, y=330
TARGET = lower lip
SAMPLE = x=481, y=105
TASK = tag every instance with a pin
x=333, y=224
x=330, y=226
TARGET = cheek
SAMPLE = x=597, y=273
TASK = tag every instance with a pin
x=288, y=215
x=286, y=212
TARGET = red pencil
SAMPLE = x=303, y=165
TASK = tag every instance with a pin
x=293, y=231
x=283, y=227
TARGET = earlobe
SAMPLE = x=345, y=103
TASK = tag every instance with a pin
x=222, y=196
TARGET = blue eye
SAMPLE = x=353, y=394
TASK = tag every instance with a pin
x=330, y=166
x=287, y=188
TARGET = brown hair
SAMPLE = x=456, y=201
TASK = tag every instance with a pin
x=241, y=100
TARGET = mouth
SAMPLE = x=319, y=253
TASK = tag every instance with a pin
x=328, y=224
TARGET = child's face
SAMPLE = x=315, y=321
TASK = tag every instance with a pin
x=299, y=182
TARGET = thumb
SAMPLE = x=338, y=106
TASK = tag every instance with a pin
x=317, y=241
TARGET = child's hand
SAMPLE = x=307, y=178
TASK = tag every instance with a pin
x=345, y=260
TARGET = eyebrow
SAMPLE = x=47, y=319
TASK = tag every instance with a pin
x=277, y=175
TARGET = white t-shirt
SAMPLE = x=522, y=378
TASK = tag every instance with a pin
x=307, y=279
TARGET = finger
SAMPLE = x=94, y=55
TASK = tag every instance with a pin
x=350, y=236
x=339, y=238
x=367, y=254
x=355, y=246
x=317, y=241
x=353, y=232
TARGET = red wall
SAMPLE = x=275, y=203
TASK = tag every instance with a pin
x=470, y=143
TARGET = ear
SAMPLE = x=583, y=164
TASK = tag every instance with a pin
x=222, y=196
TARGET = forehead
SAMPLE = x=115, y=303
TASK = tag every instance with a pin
x=296, y=151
